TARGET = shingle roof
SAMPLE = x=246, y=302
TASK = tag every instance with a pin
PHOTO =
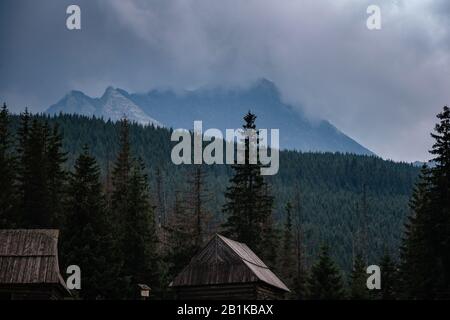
x=29, y=257
x=224, y=261
x=255, y=264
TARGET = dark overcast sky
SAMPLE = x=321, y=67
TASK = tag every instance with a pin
x=382, y=88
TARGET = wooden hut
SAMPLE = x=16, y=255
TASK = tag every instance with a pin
x=29, y=265
x=226, y=269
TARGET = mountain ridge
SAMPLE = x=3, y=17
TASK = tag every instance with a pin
x=217, y=107
x=113, y=105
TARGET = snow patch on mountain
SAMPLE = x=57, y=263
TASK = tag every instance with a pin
x=116, y=106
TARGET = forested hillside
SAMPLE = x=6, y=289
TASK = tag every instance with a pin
x=350, y=202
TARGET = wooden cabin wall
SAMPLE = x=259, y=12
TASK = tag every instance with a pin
x=264, y=292
x=217, y=292
x=248, y=291
x=32, y=292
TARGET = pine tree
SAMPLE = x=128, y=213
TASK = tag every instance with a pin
x=139, y=242
x=33, y=188
x=425, y=266
x=134, y=218
x=325, y=282
x=7, y=172
x=389, y=278
x=249, y=203
x=439, y=203
x=121, y=174
x=358, y=277
x=87, y=238
x=41, y=176
x=416, y=259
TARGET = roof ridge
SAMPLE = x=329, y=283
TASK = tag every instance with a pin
x=225, y=239
x=258, y=265
x=275, y=281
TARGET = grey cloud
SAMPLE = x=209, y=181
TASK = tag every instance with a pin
x=381, y=87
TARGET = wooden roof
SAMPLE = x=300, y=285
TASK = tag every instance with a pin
x=224, y=261
x=29, y=257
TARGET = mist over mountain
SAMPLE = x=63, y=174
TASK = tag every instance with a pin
x=217, y=108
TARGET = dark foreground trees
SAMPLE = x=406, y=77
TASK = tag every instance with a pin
x=41, y=178
x=114, y=240
x=133, y=215
x=88, y=238
x=425, y=254
x=8, y=193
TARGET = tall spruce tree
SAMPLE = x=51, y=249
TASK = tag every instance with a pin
x=325, y=281
x=439, y=202
x=41, y=177
x=121, y=174
x=416, y=260
x=426, y=250
x=119, y=198
x=87, y=237
x=7, y=172
x=134, y=216
x=249, y=203
x=139, y=238
x=34, y=202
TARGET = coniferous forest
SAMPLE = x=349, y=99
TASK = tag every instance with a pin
x=128, y=215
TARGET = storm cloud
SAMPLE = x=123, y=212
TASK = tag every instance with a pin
x=383, y=88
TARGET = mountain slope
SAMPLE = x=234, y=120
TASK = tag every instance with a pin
x=217, y=108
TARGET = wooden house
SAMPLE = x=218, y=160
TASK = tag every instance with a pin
x=29, y=265
x=226, y=269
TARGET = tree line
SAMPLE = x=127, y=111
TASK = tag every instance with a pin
x=421, y=270
x=338, y=192
x=121, y=232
